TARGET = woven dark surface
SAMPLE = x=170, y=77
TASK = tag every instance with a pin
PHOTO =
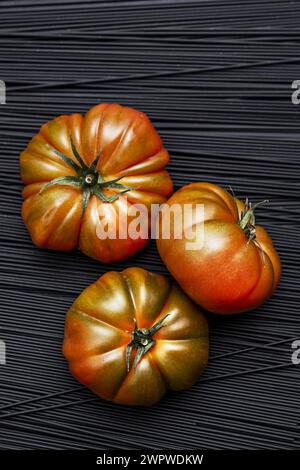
x=215, y=78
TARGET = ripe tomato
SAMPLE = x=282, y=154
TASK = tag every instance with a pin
x=132, y=335
x=77, y=167
x=237, y=267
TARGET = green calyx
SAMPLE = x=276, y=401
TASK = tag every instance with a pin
x=87, y=178
x=247, y=219
x=142, y=341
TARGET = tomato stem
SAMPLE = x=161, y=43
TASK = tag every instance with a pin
x=142, y=341
x=88, y=178
x=247, y=219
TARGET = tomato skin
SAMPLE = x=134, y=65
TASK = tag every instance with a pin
x=131, y=149
x=99, y=326
x=228, y=274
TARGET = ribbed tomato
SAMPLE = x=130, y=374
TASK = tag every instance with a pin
x=132, y=335
x=237, y=267
x=77, y=165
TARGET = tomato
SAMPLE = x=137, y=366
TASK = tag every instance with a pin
x=236, y=268
x=132, y=335
x=78, y=167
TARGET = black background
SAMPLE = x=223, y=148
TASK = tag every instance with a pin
x=215, y=78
